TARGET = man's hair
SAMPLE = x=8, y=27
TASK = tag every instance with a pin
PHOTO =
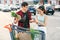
x=24, y=4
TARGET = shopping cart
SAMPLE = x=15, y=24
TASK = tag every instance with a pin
x=35, y=34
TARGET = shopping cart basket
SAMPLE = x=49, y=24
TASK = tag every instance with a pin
x=35, y=34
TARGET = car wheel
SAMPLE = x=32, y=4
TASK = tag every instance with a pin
x=59, y=9
x=16, y=9
x=52, y=13
x=34, y=13
x=0, y=9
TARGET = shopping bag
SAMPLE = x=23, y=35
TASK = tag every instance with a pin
x=24, y=36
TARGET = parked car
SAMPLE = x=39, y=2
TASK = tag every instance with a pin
x=1, y=6
x=18, y=6
x=57, y=7
x=6, y=8
x=32, y=10
x=13, y=7
x=49, y=9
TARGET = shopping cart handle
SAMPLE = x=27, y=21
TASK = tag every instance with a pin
x=20, y=28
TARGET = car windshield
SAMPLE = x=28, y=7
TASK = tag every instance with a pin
x=31, y=6
x=6, y=7
x=49, y=7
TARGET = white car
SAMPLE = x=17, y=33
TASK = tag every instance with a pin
x=57, y=7
x=37, y=5
x=46, y=5
x=13, y=7
x=18, y=6
x=6, y=8
x=1, y=6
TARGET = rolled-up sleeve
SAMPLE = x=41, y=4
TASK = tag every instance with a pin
x=18, y=12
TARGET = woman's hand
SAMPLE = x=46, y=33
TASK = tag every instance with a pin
x=36, y=21
x=45, y=21
x=32, y=20
x=41, y=23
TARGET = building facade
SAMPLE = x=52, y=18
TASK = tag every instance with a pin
x=55, y=2
x=20, y=1
x=10, y=1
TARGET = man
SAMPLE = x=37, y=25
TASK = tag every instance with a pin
x=25, y=16
x=24, y=19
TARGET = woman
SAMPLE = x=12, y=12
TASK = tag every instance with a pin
x=41, y=19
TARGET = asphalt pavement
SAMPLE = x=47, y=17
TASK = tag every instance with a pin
x=53, y=27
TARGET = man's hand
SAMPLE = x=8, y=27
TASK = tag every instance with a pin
x=32, y=21
x=16, y=20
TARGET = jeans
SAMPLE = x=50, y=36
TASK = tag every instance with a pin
x=11, y=34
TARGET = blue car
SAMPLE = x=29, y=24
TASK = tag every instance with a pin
x=32, y=10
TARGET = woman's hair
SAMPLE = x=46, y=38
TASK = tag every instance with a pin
x=41, y=8
x=24, y=4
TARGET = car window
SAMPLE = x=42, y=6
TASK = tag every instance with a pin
x=48, y=7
